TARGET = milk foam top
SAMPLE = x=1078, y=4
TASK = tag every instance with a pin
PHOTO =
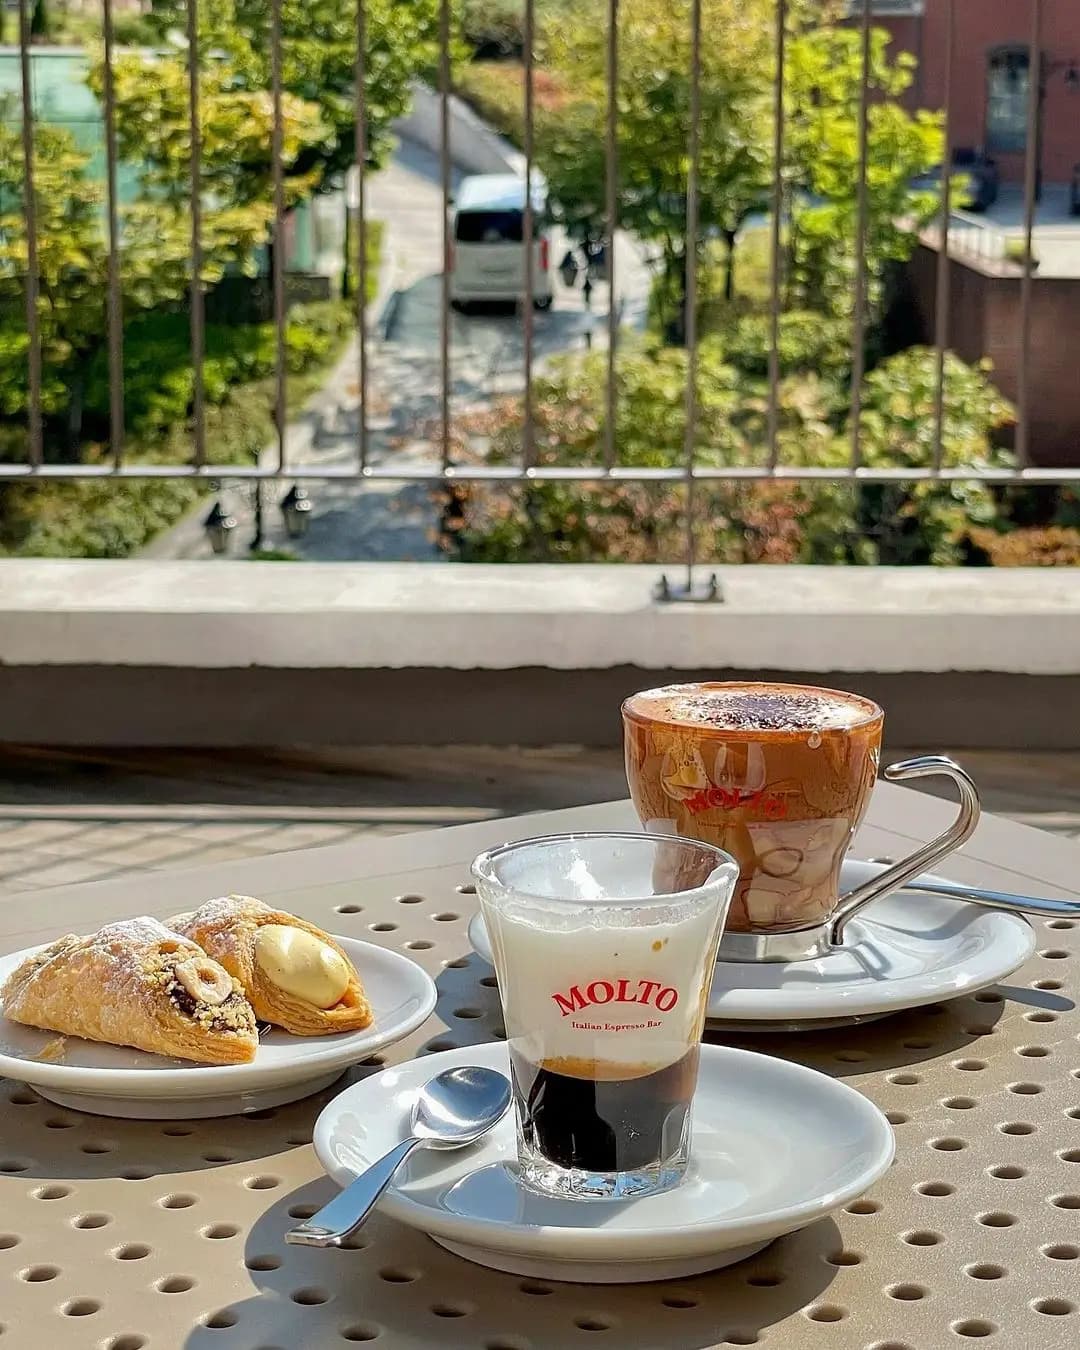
x=602, y=953
x=752, y=707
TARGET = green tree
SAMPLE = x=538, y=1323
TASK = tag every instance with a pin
x=318, y=65
x=236, y=119
x=236, y=127
x=824, y=75
x=155, y=254
x=735, y=521
x=70, y=270
x=654, y=94
x=236, y=132
x=927, y=522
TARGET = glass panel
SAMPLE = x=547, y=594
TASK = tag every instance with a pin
x=489, y=227
x=1006, y=101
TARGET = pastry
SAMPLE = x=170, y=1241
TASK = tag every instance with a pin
x=295, y=975
x=135, y=983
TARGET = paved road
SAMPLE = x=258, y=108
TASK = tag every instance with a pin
x=386, y=521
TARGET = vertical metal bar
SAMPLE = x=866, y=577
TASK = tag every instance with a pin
x=33, y=330
x=776, y=226
x=113, y=302
x=528, y=441
x=444, y=172
x=360, y=137
x=198, y=317
x=611, y=211
x=1032, y=156
x=944, y=274
x=858, y=324
x=690, y=315
x=277, y=260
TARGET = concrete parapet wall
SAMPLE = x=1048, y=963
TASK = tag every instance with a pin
x=243, y=653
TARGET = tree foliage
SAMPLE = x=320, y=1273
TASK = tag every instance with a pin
x=318, y=53
x=824, y=74
x=654, y=100
x=794, y=521
x=70, y=264
x=153, y=132
x=236, y=118
x=927, y=522
x=820, y=171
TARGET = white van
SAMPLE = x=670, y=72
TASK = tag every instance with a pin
x=488, y=258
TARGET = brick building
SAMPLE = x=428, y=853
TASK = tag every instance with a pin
x=991, y=73
x=989, y=107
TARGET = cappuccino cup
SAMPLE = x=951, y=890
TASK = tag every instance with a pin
x=780, y=777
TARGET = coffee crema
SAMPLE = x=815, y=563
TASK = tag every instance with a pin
x=777, y=775
x=752, y=707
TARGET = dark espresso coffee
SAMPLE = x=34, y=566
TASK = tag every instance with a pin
x=601, y=1117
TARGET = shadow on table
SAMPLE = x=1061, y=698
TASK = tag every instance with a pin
x=44, y=1141
x=468, y=1004
x=893, y=1042
x=399, y=1286
x=961, y=1028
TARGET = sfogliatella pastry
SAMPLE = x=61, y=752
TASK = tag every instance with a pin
x=295, y=975
x=135, y=983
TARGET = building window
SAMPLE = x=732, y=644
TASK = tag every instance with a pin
x=1008, y=78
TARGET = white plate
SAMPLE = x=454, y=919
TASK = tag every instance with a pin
x=112, y=1080
x=776, y=1146
x=907, y=949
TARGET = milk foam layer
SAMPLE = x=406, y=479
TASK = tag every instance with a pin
x=752, y=707
x=624, y=992
x=598, y=872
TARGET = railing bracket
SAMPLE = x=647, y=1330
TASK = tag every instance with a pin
x=688, y=590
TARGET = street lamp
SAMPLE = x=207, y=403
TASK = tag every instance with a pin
x=296, y=510
x=218, y=525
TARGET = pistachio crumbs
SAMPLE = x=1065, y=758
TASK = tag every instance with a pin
x=234, y=1014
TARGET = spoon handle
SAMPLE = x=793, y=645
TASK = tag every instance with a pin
x=343, y=1215
x=1018, y=904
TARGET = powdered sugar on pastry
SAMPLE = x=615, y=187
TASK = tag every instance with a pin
x=135, y=982
x=231, y=939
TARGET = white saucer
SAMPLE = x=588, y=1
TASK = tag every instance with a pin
x=906, y=949
x=776, y=1146
x=111, y=1080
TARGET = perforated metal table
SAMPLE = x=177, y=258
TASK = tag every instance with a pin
x=125, y=1235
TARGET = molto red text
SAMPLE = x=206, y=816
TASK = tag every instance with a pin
x=650, y=992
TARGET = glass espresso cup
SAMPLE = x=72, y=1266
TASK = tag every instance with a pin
x=780, y=776
x=604, y=946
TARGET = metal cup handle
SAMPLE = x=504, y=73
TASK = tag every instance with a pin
x=924, y=858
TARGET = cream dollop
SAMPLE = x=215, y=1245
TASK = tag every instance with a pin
x=301, y=964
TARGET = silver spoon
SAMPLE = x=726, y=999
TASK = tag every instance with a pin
x=1018, y=904
x=991, y=899
x=454, y=1108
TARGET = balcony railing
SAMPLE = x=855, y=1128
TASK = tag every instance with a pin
x=441, y=466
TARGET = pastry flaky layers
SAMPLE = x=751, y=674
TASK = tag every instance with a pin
x=295, y=975
x=135, y=983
